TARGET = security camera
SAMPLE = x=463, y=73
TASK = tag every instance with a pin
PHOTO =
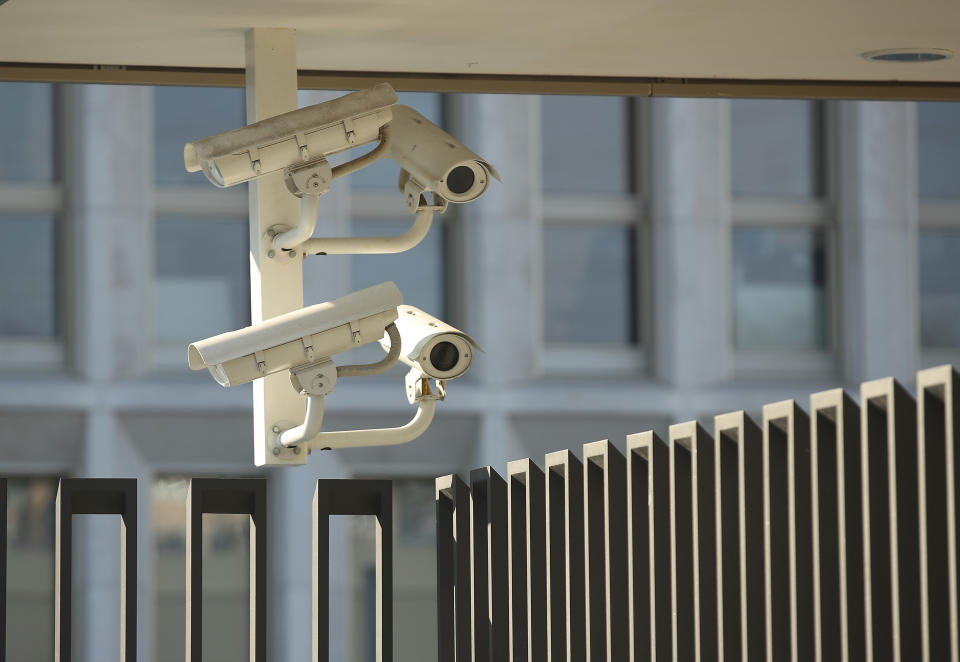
x=431, y=346
x=292, y=140
x=433, y=160
x=299, y=338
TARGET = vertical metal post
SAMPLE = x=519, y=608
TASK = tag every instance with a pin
x=3, y=569
x=566, y=639
x=227, y=496
x=276, y=284
x=491, y=609
x=938, y=400
x=695, y=627
x=528, y=580
x=742, y=456
x=891, y=531
x=353, y=497
x=649, y=505
x=605, y=549
x=453, y=570
x=96, y=496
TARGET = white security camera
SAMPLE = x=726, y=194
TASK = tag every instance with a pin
x=436, y=349
x=300, y=338
x=433, y=160
x=291, y=140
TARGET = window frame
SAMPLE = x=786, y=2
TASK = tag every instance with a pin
x=630, y=211
x=813, y=213
x=935, y=214
x=39, y=353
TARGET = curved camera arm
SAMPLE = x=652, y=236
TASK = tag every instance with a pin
x=377, y=245
x=310, y=202
x=381, y=436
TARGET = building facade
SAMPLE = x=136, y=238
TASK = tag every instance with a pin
x=644, y=262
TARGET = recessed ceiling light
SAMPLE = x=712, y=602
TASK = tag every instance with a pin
x=908, y=55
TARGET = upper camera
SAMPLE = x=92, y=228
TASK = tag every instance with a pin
x=433, y=160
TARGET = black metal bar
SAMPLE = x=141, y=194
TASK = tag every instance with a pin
x=453, y=569
x=649, y=505
x=528, y=582
x=742, y=447
x=446, y=571
x=491, y=609
x=891, y=531
x=353, y=497
x=237, y=496
x=565, y=557
x=95, y=496
x=606, y=552
x=938, y=390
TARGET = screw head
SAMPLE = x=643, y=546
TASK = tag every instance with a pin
x=293, y=254
x=296, y=450
x=276, y=451
x=276, y=428
x=271, y=233
x=271, y=253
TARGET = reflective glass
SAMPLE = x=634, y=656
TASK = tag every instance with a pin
x=226, y=572
x=384, y=173
x=203, y=278
x=940, y=288
x=938, y=138
x=27, y=131
x=586, y=144
x=28, y=290
x=30, y=561
x=589, y=285
x=182, y=114
x=779, y=289
x=776, y=148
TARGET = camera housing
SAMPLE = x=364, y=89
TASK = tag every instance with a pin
x=433, y=160
x=292, y=139
x=297, y=338
x=431, y=346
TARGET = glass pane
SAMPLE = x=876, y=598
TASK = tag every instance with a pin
x=27, y=131
x=384, y=173
x=30, y=561
x=182, y=114
x=28, y=290
x=775, y=146
x=586, y=144
x=940, y=288
x=938, y=137
x=226, y=572
x=589, y=285
x=203, y=278
x=779, y=289
x=419, y=272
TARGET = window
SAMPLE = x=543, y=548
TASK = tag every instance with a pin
x=198, y=292
x=31, y=323
x=781, y=248
x=938, y=151
x=591, y=235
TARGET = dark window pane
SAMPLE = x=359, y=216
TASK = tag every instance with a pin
x=940, y=288
x=776, y=150
x=588, y=285
x=27, y=131
x=384, y=173
x=586, y=145
x=938, y=137
x=779, y=289
x=203, y=278
x=182, y=114
x=28, y=276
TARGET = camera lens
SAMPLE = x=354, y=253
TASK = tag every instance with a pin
x=444, y=356
x=460, y=180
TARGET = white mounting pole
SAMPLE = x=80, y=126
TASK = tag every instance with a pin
x=276, y=284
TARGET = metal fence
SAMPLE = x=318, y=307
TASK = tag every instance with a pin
x=826, y=534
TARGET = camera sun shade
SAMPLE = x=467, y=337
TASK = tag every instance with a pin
x=300, y=136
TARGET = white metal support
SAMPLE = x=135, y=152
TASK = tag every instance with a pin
x=276, y=284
